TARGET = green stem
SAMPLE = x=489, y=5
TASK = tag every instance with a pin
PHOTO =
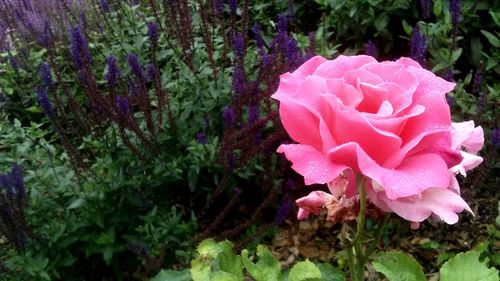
x=360, y=229
x=378, y=235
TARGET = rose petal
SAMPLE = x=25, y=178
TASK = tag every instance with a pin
x=311, y=164
x=314, y=202
x=443, y=203
x=414, y=175
x=464, y=134
x=337, y=67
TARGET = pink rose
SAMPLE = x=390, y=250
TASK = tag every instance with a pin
x=388, y=121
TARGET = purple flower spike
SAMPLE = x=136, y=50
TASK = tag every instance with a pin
x=135, y=66
x=79, y=47
x=153, y=31
x=418, y=47
x=104, y=6
x=238, y=45
x=455, y=11
x=233, y=6
x=202, y=138
x=151, y=72
x=495, y=137
x=258, y=36
x=44, y=102
x=17, y=181
x=113, y=71
x=123, y=107
x=370, y=48
x=426, y=8
x=46, y=75
x=229, y=117
x=219, y=7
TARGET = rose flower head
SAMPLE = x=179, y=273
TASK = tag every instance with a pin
x=386, y=121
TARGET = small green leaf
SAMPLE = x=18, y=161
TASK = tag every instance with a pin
x=172, y=275
x=397, y=266
x=200, y=270
x=209, y=248
x=76, y=204
x=266, y=269
x=229, y=262
x=491, y=38
x=303, y=271
x=467, y=267
x=330, y=273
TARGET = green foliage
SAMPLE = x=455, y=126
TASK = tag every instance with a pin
x=172, y=275
x=467, y=267
x=217, y=262
x=397, y=266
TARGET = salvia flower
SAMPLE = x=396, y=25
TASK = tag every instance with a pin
x=17, y=181
x=123, y=107
x=202, y=138
x=455, y=11
x=113, y=71
x=135, y=66
x=238, y=80
x=233, y=6
x=104, y=6
x=151, y=72
x=229, y=117
x=238, y=45
x=370, y=48
x=495, y=137
x=44, y=38
x=80, y=51
x=219, y=7
x=153, y=31
x=13, y=63
x=44, y=102
x=259, y=41
x=426, y=8
x=46, y=75
x=283, y=210
x=418, y=47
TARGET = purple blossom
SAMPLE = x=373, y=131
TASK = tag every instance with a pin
x=103, y=4
x=113, y=71
x=219, y=7
x=135, y=66
x=229, y=117
x=153, y=32
x=44, y=38
x=258, y=36
x=495, y=137
x=449, y=76
x=283, y=210
x=282, y=25
x=370, y=48
x=46, y=75
x=455, y=11
x=13, y=62
x=238, y=45
x=233, y=6
x=123, y=107
x=478, y=79
x=253, y=113
x=238, y=80
x=482, y=101
x=17, y=181
x=426, y=8
x=44, y=102
x=151, y=72
x=202, y=138
x=80, y=51
x=418, y=47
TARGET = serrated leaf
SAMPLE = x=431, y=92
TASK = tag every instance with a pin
x=467, y=267
x=200, y=271
x=330, y=273
x=304, y=270
x=172, y=275
x=223, y=276
x=397, y=266
x=209, y=249
x=230, y=262
x=266, y=269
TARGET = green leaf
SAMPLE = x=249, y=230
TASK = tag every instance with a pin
x=266, y=269
x=76, y=204
x=303, y=271
x=200, y=270
x=397, y=266
x=467, y=267
x=491, y=38
x=172, y=275
x=330, y=273
x=229, y=262
x=209, y=249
